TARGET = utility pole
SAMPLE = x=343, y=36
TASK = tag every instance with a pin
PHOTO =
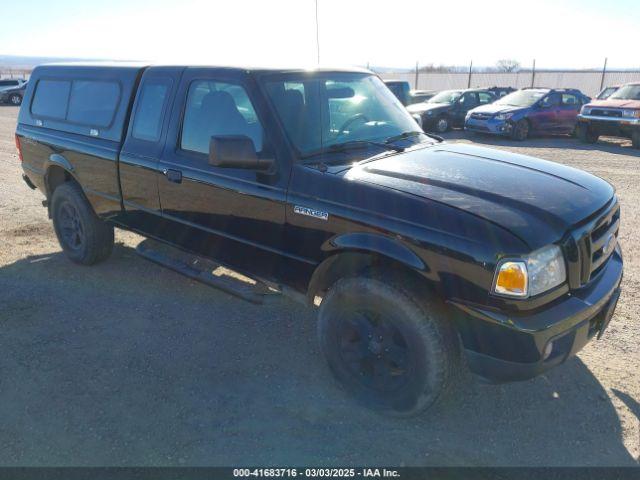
x=604, y=71
x=317, y=34
x=416, y=84
x=470, y=70
x=533, y=73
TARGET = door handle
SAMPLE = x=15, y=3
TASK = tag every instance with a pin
x=174, y=176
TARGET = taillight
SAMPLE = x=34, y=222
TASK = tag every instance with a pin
x=19, y=147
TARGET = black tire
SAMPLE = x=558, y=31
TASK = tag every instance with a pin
x=521, y=130
x=409, y=366
x=586, y=135
x=442, y=124
x=15, y=99
x=635, y=139
x=84, y=238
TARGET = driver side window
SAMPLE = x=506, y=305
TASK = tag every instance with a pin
x=552, y=100
x=217, y=108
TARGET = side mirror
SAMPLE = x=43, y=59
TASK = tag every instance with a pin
x=235, y=151
x=417, y=118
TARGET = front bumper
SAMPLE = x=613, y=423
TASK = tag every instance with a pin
x=614, y=126
x=490, y=125
x=502, y=348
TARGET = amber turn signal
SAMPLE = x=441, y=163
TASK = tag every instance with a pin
x=511, y=279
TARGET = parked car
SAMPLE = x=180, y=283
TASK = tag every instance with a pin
x=617, y=115
x=448, y=108
x=500, y=92
x=13, y=95
x=607, y=92
x=418, y=96
x=320, y=184
x=10, y=83
x=401, y=89
x=527, y=111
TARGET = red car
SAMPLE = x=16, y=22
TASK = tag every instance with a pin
x=617, y=116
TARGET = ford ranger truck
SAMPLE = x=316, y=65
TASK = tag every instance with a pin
x=422, y=257
x=617, y=115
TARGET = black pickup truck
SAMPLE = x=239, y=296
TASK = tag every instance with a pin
x=421, y=256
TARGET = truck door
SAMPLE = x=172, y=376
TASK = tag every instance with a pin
x=235, y=215
x=140, y=156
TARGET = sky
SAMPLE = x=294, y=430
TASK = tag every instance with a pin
x=394, y=33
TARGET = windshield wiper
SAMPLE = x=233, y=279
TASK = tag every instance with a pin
x=352, y=145
x=410, y=134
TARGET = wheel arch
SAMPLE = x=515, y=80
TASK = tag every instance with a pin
x=354, y=253
x=58, y=170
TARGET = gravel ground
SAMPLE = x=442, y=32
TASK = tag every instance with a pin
x=127, y=363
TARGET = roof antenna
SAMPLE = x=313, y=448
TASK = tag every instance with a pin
x=317, y=34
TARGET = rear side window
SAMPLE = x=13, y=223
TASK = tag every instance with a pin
x=84, y=102
x=485, y=98
x=51, y=99
x=93, y=102
x=570, y=99
x=148, y=117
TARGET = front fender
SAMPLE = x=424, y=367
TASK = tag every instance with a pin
x=379, y=244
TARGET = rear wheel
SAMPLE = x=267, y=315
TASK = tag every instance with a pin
x=390, y=348
x=520, y=130
x=586, y=134
x=84, y=238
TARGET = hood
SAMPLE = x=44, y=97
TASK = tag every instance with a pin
x=615, y=103
x=494, y=108
x=424, y=106
x=537, y=200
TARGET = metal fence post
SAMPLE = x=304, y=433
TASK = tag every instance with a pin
x=533, y=74
x=604, y=71
x=416, y=84
x=470, y=70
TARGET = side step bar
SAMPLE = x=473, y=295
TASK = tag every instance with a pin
x=205, y=271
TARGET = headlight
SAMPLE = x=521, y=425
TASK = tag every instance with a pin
x=585, y=110
x=540, y=271
x=631, y=113
x=504, y=116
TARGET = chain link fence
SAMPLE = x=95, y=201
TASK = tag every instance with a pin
x=589, y=82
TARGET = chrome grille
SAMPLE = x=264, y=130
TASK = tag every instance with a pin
x=602, y=112
x=603, y=239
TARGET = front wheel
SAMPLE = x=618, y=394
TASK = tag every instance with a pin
x=15, y=99
x=586, y=135
x=391, y=349
x=84, y=238
x=442, y=124
x=520, y=130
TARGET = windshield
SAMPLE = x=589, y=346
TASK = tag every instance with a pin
x=628, y=92
x=522, y=98
x=319, y=110
x=606, y=93
x=447, y=96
